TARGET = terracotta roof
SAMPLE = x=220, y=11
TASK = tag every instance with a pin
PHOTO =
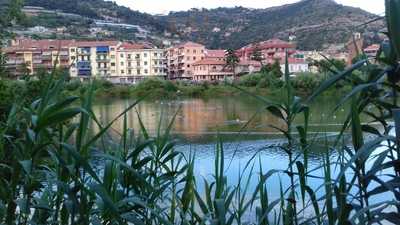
x=209, y=62
x=374, y=47
x=46, y=44
x=96, y=43
x=190, y=44
x=132, y=46
x=216, y=53
x=272, y=43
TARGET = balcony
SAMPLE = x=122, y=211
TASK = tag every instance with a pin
x=84, y=72
x=83, y=65
x=46, y=57
x=102, y=60
x=102, y=49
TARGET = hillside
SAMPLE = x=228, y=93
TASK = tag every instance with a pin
x=99, y=9
x=313, y=22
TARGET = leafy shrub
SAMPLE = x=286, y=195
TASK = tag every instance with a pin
x=251, y=80
x=306, y=82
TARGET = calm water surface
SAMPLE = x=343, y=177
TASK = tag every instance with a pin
x=199, y=123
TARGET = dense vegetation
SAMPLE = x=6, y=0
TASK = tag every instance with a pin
x=314, y=22
x=99, y=9
x=60, y=165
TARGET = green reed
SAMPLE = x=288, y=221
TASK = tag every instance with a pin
x=54, y=171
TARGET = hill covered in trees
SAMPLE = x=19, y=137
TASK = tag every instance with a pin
x=315, y=23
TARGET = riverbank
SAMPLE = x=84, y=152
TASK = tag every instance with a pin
x=163, y=89
x=154, y=89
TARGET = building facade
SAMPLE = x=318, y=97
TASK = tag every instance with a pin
x=111, y=60
x=137, y=62
x=180, y=59
x=271, y=50
x=211, y=70
x=28, y=56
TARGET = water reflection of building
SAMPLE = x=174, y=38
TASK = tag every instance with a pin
x=196, y=117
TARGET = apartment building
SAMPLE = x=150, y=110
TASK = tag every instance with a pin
x=136, y=62
x=112, y=60
x=218, y=54
x=210, y=70
x=372, y=50
x=180, y=59
x=29, y=56
x=93, y=59
x=271, y=50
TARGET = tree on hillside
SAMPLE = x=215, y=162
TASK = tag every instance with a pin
x=10, y=13
x=231, y=60
x=257, y=56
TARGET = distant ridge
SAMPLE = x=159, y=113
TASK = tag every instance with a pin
x=315, y=23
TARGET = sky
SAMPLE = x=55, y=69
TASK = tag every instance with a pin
x=165, y=6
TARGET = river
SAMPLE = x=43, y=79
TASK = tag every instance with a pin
x=241, y=123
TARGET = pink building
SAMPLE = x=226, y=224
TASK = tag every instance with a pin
x=372, y=50
x=271, y=50
x=181, y=58
x=216, y=54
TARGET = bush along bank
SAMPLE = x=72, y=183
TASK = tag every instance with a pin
x=263, y=84
x=257, y=83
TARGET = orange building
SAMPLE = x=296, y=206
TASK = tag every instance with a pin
x=354, y=47
x=29, y=56
x=181, y=58
x=271, y=50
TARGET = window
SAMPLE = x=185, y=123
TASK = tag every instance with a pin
x=129, y=56
x=194, y=51
x=121, y=55
x=188, y=66
x=145, y=63
x=155, y=71
x=188, y=58
x=137, y=56
x=194, y=57
x=138, y=72
x=112, y=49
x=122, y=63
x=72, y=57
x=146, y=71
x=122, y=71
x=155, y=54
x=112, y=64
x=129, y=72
x=113, y=56
x=187, y=51
x=72, y=50
x=129, y=64
x=145, y=54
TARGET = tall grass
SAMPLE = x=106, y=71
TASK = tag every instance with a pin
x=54, y=171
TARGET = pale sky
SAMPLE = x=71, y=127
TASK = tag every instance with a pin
x=164, y=6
